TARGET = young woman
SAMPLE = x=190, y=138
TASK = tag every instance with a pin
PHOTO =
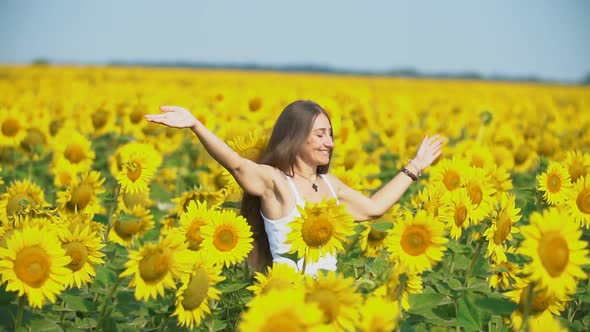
x=295, y=169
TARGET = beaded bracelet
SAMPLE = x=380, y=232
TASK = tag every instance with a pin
x=410, y=174
x=411, y=161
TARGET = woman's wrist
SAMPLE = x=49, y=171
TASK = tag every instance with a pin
x=412, y=166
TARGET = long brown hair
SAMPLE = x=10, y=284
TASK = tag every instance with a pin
x=288, y=135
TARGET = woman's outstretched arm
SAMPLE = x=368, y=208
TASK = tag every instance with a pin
x=254, y=178
x=362, y=207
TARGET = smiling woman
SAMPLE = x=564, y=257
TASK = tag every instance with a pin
x=293, y=171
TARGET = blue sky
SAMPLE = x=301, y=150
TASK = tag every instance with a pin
x=545, y=38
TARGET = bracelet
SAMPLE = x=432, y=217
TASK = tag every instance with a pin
x=410, y=174
x=411, y=161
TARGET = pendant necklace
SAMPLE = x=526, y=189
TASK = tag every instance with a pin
x=314, y=186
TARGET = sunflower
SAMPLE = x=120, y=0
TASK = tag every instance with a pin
x=155, y=266
x=577, y=164
x=578, y=203
x=279, y=276
x=227, y=238
x=103, y=119
x=137, y=168
x=83, y=245
x=391, y=288
x=74, y=149
x=525, y=157
x=378, y=314
x=555, y=183
x=449, y=172
x=196, y=216
x=433, y=198
x=130, y=224
x=18, y=196
x=82, y=195
x=196, y=291
x=128, y=200
x=502, y=228
x=321, y=229
x=481, y=192
x=542, y=303
x=501, y=181
x=417, y=242
x=461, y=210
x=63, y=173
x=117, y=159
x=505, y=274
x=556, y=250
x=251, y=146
x=13, y=128
x=213, y=198
x=284, y=310
x=34, y=263
x=337, y=297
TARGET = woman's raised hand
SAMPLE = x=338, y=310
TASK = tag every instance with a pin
x=173, y=116
x=429, y=150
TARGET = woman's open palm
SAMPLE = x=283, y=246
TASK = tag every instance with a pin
x=429, y=150
x=173, y=116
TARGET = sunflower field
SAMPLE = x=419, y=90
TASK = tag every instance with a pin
x=109, y=222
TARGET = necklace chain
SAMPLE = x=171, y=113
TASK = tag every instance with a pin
x=314, y=186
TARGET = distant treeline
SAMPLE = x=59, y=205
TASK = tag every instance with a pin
x=310, y=68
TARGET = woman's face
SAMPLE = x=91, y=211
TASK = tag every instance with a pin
x=319, y=143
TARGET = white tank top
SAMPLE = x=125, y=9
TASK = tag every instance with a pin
x=277, y=231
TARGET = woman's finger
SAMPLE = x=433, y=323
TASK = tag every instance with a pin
x=170, y=108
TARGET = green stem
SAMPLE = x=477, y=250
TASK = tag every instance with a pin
x=527, y=307
x=19, y=313
x=474, y=260
x=112, y=212
x=103, y=311
x=400, y=294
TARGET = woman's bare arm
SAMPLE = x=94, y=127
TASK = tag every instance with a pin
x=254, y=178
x=362, y=207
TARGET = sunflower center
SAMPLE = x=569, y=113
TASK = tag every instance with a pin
x=477, y=161
x=255, y=104
x=503, y=227
x=583, y=201
x=78, y=253
x=415, y=240
x=475, y=194
x=33, y=139
x=460, y=215
x=577, y=170
x=32, y=266
x=554, y=253
x=225, y=238
x=154, y=266
x=193, y=234
x=328, y=303
x=74, y=153
x=553, y=183
x=14, y=203
x=452, y=180
x=127, y=228
x=136, y=116
x=284, y=321
x=196, y=290
x=521, y=155
x=81, y=196
x=134, y=199
x=99, y=119
x=134, y=170
x=10, y=127
x=317, y=232
x=376, y=235
x=539, y=304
